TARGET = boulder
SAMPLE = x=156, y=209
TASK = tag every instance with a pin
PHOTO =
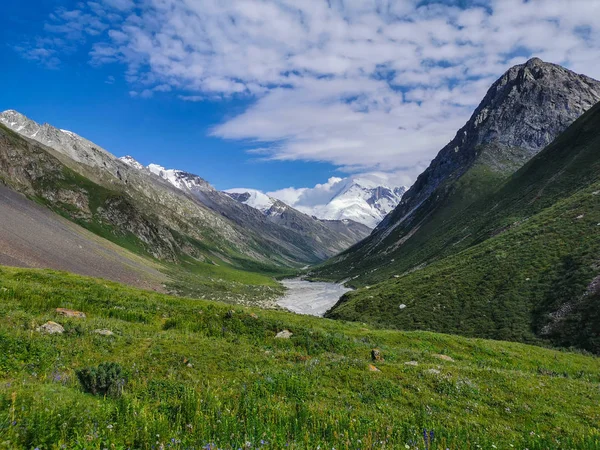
x=70, y=313
x=376, y=355
x=284, y=334
x=51, y=328
x=444, y=357
x=104, y=332
x=411, y=363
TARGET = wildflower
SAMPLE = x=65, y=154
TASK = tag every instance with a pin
x=109, y=426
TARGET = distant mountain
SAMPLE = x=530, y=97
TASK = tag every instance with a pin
x=365, y=199
x=314, y=239
x=252, y=197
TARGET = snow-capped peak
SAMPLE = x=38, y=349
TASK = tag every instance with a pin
x=180, y=179
x=365, y=198
x=132, y=162
x=252, y=197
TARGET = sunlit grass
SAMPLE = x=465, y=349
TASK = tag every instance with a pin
x=201, y=372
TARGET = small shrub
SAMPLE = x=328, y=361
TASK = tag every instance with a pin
x=106, y=379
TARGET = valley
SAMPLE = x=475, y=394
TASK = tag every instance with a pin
x=143, y=308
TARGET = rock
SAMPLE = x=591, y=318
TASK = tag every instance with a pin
x=376, y=355
x=411, y=363
x=285, y=334
x=104, y=332
x=51, y=328
x=254, y=316
x=444, y=357
x=433, y=371
x=70, y=313
x=372, y=368
x=402, y=306
x=579, y=217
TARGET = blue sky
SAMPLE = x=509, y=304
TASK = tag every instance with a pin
x=277, y=93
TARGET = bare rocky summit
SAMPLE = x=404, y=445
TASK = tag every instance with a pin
x=522, y=112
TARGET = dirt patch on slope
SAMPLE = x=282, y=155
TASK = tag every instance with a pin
x=32, y=236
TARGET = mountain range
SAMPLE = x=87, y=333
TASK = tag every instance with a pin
x=366, y=198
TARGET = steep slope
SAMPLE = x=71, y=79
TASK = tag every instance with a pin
x=199, y=253
x=294, y=233
x=33, y=236
x=121, y=204
x=521, y=263
x=529, y=106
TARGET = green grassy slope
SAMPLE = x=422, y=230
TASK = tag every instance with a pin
x=243, y=388
x=514, y=265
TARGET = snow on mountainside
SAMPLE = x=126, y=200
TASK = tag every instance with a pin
x=252, y=197
x=361, y=198
x=130, y=161
x=178, y=178
x=366, y=199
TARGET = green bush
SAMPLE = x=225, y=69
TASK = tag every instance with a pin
x=106, y=379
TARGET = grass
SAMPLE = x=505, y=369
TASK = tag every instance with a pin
x=200, y=372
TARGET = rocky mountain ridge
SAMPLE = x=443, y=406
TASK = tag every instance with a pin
x=279, y=221
x=522, y=112
x=365, y=199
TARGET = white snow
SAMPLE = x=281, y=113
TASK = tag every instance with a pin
x=365, y=198
x=131, y=161
x=180, y=179
x=256, y=198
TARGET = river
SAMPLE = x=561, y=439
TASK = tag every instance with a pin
x=313, y=298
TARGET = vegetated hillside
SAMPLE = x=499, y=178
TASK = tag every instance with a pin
x=139, y=212
x=520, y=264
x=525, y=110
x=188, y=374
x=201, y=254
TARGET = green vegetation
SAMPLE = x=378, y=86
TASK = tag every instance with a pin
x=201, y=372
x=517, y=264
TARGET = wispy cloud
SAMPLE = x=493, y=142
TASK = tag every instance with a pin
x=363, y=84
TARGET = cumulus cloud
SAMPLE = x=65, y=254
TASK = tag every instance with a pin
x=363, y=84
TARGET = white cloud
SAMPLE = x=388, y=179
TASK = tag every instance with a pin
x=363, y=84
